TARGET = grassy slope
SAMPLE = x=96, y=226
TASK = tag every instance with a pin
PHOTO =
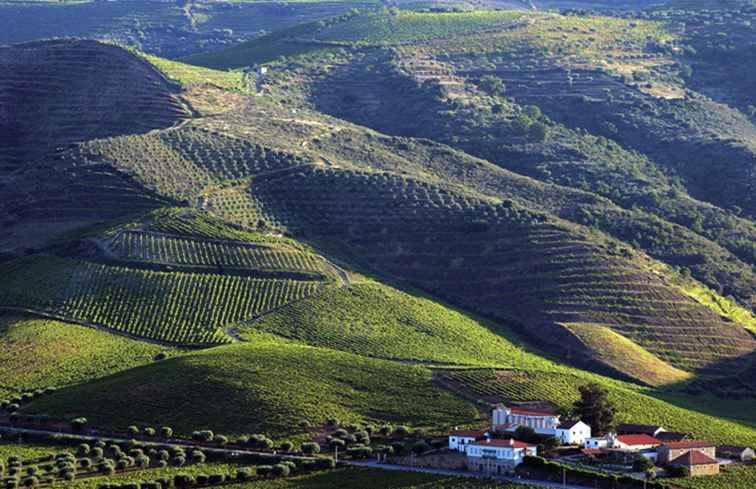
x=39, y=353
x=268, y=386
x=732, y=477
x=625, y=356
x=376, y=320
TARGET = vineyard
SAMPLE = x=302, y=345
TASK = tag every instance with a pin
x=181, y=308
x=155, y=248
x=501, y=259
x=374, y=320
x=261, y=387
x=560, y=388
x=39, y=353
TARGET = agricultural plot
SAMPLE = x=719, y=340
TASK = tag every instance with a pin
x=155, y=248
x=181, y=308
x=346, y=478
x=40, y=353
x=374, y=320
x=732, y=477
x=633, y=405
x=264, y=387
x=501, y=259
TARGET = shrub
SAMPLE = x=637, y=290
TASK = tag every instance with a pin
x=264, y=470
x=85, y=463
x=281, y=470
x=286, y=446
x=78, y=424
x=31, y=481
x=166, y=432
x=198, y=457
x=83, y=450
x=359, y=452
x=143, y=461
x=244, y=474
x=150, y=432
x=340, y=433
x=97, y=452
x=202, y=479
x=336, y=443
x=679, y=471
x=332, y=422
x=178, y=461
x=304, y=424
x=220, y=440
x=183, y=480
x=642, y=464
x=420, y=447
x=216, y=479
x=310, y=448
x=205, y=435
x=386, y=430
x=132, y=430
x=69, y=475
x=401, y=431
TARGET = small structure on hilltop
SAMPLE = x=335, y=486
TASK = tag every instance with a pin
x=459, y=439
x=673, y=450
x=697, y=463
x=496, y=456
x=743, y=454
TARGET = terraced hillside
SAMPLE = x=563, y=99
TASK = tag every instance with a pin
x=173, y=288
x=43, y=83
x=591, y=103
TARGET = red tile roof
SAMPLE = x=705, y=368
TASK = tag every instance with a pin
x=634, y=440
x=499, y=442
x=531, y=412
x=688, y=444
x=468, y=433
x=694, y=457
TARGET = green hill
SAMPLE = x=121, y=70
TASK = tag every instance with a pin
x=41, y=353
x=265, y=386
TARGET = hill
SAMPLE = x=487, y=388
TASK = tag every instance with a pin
x=42, y=353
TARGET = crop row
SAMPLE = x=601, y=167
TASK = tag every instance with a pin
x=181, y=251
x=175, y=307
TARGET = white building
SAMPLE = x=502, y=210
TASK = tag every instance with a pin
x=497, y=456
x=573, y=433
x=458, y=440
x=510, y=418
x=598, y=442
x=634, y=443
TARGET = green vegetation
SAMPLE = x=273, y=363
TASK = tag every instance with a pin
x=177, y=307
x=732, y=477
x=40, y=353
x=264, y=387
x=348, y=478
x=188, y=75
x=626, y=357
x=371, y=319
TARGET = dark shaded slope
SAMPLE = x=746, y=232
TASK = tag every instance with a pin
x=53, y=93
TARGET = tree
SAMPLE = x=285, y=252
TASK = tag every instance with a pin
x=420, y=447
x=166, y=432
x=310, y=448
x=492, y=85
x=642, y=464
x=595, y=408
x=527, y=434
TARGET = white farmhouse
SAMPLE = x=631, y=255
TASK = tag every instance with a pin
x=459, y=439
x=598, y=442
x=573, y=433
x=497, y=456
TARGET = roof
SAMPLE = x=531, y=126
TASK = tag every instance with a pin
x=468, y=433
x=631, y=428
x=531, y=412
x=638, y=440
x=671, y=436
x=694, y=457
x=566, y=425
x=688, y=444
x=501, y=442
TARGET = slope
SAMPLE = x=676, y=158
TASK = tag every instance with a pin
x=40, y=353
x=267, y=386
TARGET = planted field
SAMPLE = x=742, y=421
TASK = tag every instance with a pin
x=40, y=353
x=156, y=248
x=268, y=386
x=404, y=26
x=116, y=91
x=182, y=308
x=502, y=259
x=626, y=357
x=374, y=320
x=632, y=405
x=731, y=477
x=351, y=477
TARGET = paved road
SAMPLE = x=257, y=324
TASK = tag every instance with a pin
x=459, y=473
